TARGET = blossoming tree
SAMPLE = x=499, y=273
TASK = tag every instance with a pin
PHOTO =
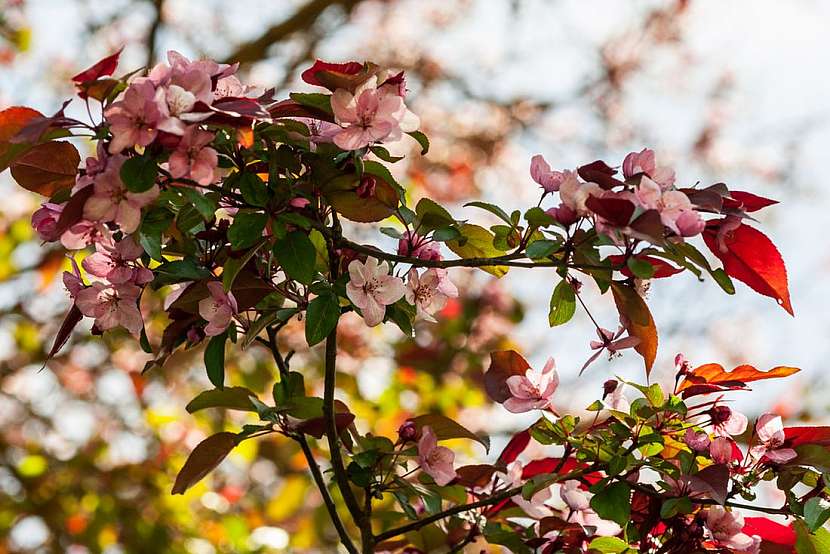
x=234, y=202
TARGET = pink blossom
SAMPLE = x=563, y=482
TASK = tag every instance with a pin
x=82, y=234
x=563, y=214
x=727, y=529
x=535, y=507
x=533, y=390
x=193, y=159
x=429, y=291
x=134, y=119
x=371, y=289
x=572, y=494
x=45, y=221
x=644, y=162
x=721, y=450
x=369, y=115
x=770, y=431
x=416, y=246
x=218, y=309
x=726, y=421
x=115, y=262
x=111, y=305
x=610, y=341
x=615, y=400
x=696, y=440
x=676, y=210
x=541, y=172
x=111, y=201
x=578, y=502
x=574, y=193
x=435, y=460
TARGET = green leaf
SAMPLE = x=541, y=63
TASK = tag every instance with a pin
x=816, y=512
x=654, y=394
x=314, y=100
x=432, y=215
x=613, y=502
x=155, y=222
x=446, y=428
x=384, y=154
x=232, y=398
x=139, y=173
x=807, y=543
x=205, y=457
x=477, y=242
x=493, y=209
x=176, y=271
x=640, y=268
x=246, y=229
x=609, y=545
x=536, y=217
x=562, y=304
x=215, y=360
x=234, y=265
x=371, y=167
x=422, y=140
x=539, y=249
x=296, y=255
x=321, y=317
x=674, y=506
x=253, y=189
x=205, y=205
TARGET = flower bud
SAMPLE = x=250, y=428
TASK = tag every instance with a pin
x=368, y=185
x=407, y=432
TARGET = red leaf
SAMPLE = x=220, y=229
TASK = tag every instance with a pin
x=515, y=447
x=205, y=457
x=600, y=173
x=316, y=426
x=69, y=322
x=333, y=75
x=503, y=364
x=616, y=211
x=662, y=268
x=796, y=436
x=547, y=465
x=713, y=378
x=752, y=258
x=477, y=475
x=47, y=168
x=102, y=68
x=12, y=120
x=769, y=530
x=291, y=108
x=637, y=319
x=746, y=201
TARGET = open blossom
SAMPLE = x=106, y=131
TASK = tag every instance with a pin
x=435, y=460
x=111, y=305
x=429, y=291
x=541, y=172
x=727, y=529
x=676, y=210
x=134, y=119
x=218, y=309
x=115, y=262
x=111, y=201
x=533, y=390
x=578, y=502
x=371, y=289
x=575, y=193
x=611, y=341
x=726, y=421
x=45, y=221
x=193, y=158
x=370, y=114
x=722, y=450
x=770, y=431
x=644, y=162
x=535, y=507
x=412, y=244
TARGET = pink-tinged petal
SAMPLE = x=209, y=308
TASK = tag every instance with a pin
x=344, y=106
x=120, y=275
x=770, y=429
x=208, y=308
x=98, y=264
x=519, y=386
x=87, y=299
x=352, y=138
x=781, y=455
x=427, y=442
x=373, y=312
x=130, y=318
x=357, y=295
x=736, y=424
x=721, y=450
x=357, y=273
x=128, y=217
x=389, y=290
x=141, y=199
x=100, y=208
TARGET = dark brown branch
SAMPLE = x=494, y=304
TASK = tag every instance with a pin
x=304, y=18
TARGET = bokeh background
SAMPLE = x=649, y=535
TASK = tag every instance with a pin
x=733, y=91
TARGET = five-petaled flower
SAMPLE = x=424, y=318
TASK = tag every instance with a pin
x=727, y=529
x=429, y=291
x=435, y=460
x=111, y=305
x=112, y=202
x=770, y=432
x=217, y=309
x=533, y=390
x=371, y=289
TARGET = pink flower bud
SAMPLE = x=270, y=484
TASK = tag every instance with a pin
x=408, y=432
x=368, y=185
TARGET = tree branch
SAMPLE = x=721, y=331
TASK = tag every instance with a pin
x=303, y=18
